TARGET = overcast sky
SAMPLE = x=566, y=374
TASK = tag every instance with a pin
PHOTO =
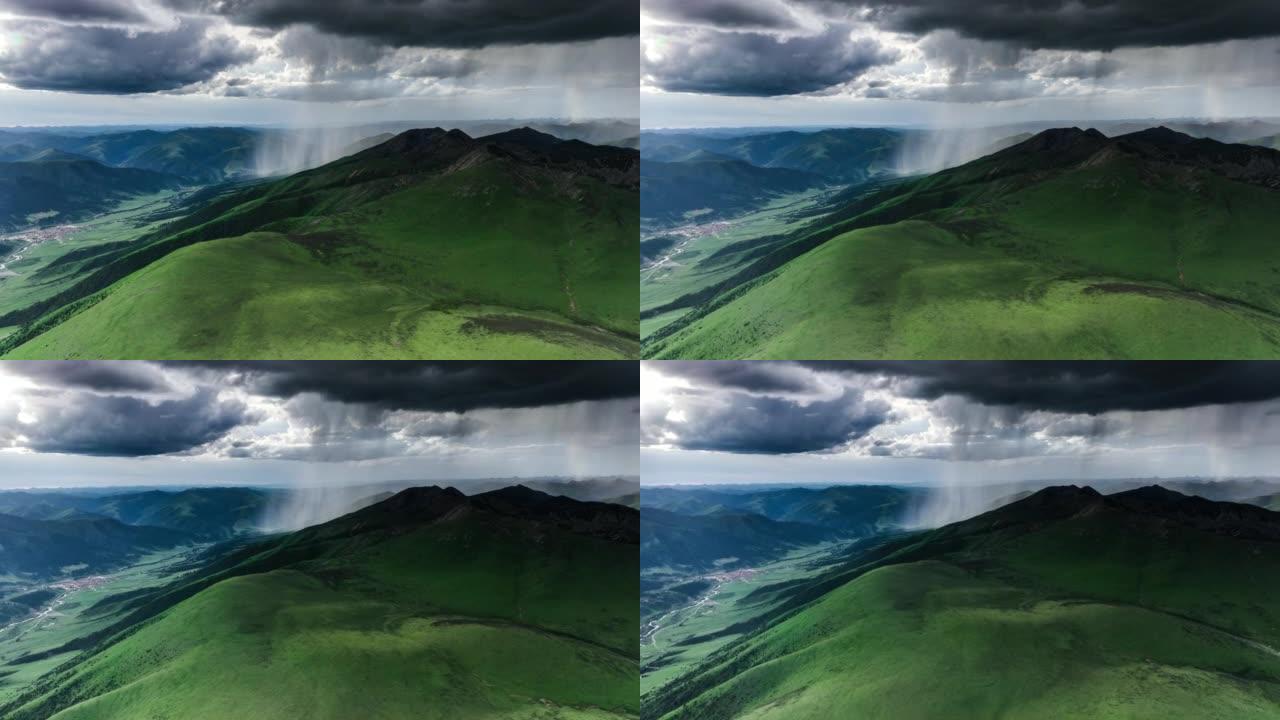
x=955, y=62
x=94, y=62
x=313, y=423
x=946, y=423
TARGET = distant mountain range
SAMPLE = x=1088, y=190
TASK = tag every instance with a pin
x=1067, y=603
x=53, y=187
x=856, y=510
x=79, y=544
x=192, y=155
x=1068, y=244
x=202, y=513
x=838, y=154
x=430, y=603
x=718, y=184
x=721, y=540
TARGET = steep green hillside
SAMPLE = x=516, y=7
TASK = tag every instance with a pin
x=509, y=604
x=75, y=545
x=56, y=188
x=431, y=245
x=1066, y=604
x=1070, y=244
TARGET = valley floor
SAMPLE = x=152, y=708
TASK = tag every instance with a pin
x=29, y=646
x=676, y=640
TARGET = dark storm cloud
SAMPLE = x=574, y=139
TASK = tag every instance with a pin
x=1083, y=24
x=1081, y=387
x=744, y=423
x=758, y=377
x=437, y=23
x=439, y=387
x=76, y=10
x=105, y=375
x=757, y=14
x=760, y=64
x=115, y=60
x=119, y=426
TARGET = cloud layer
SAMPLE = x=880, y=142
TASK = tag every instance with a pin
x=436, y=23
x=316, y=412
x=959, y=411
x=334, y=51
x=942, y=50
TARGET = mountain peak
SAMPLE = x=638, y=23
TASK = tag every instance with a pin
x=525, y=136
x=1061, y=493
x=420, y=139
x=1193, y=511
x=1059, y=139
x=408, y=507
x=1160, y=135
x=517, y=493
x=1153, y=492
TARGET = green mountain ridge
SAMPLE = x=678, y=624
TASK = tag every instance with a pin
x=508, y=604
x=1069, y=244
x=1067, y=603
x=393, y=252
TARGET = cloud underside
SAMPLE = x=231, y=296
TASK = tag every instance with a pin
x=437, y=23
x=305, y=50
x=758, y=64
x=113, y=60
x=954, y=410
x=954, y=51
x=311, y=411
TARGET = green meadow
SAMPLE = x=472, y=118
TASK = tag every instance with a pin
x=393, y=253
x=377, y=614
x=1107, y=261
x=1066, y=605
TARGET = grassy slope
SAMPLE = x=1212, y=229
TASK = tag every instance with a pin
x=1097, y=616
x=537, y=279
x=406, y=627
x=1017, y=276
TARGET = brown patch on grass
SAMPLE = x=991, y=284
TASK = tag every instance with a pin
x=547, y=330
x=324, y=245
x=1113, y=288
x=1213, y=301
